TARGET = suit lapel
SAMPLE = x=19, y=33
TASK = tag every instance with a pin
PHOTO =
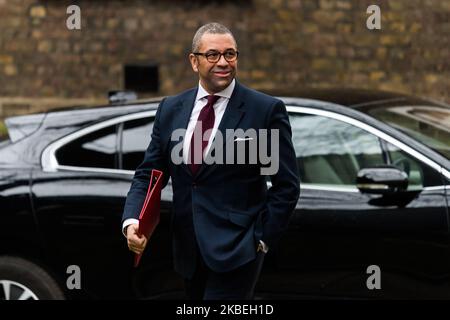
x=182, y=117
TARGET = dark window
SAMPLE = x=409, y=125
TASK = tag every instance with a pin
x=141, y=78
x=331, y=152
x=419, y=174
x=427, y=124
x=136, y=137
x=95, y=150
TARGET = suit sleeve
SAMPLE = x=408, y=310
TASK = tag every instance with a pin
x=155, y=158
x=283, y=195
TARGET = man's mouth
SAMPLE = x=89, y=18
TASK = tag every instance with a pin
x=222, y=73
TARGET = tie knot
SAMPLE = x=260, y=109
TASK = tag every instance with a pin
x=212, y=99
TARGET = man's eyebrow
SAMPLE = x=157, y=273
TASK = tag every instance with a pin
x=219, y=50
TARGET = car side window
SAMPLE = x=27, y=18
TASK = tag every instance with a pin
x=419, y=174
x=331, y=152
x=136, y=137
x=94, y=150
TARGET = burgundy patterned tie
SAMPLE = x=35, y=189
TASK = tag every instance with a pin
x=205, y=122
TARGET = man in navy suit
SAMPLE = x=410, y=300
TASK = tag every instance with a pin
x=224, y=217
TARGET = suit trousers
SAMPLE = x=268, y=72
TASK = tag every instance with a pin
x=237, y=284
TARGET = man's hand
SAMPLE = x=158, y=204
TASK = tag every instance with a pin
x=136, y=242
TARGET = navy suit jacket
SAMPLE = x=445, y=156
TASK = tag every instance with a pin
x=225, y=209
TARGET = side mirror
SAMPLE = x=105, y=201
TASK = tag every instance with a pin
x=381, y=180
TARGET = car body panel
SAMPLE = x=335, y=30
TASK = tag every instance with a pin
x=72, y=215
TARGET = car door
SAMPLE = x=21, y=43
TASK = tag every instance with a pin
x=337, y=232
x=79, y=203
x=155, y=277
x=78, y=207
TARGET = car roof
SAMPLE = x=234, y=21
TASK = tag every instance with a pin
x=353, y=97
x=89, y=115
x=360, y=99
x=351, y=102
x=347, y=101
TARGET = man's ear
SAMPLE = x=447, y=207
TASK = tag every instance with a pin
x=194, y=62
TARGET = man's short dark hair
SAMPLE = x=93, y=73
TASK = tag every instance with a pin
x=213, y=28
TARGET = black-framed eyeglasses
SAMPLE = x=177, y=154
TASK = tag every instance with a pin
x=214, y=56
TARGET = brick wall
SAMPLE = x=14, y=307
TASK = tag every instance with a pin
x=284, y=44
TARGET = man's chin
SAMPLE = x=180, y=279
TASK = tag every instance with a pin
x=221, y=84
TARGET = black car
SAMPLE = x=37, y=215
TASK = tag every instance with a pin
x=372, y=219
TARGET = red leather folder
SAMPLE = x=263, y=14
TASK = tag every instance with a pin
x=149, y=216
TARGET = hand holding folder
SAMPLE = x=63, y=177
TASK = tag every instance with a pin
x=149, y=216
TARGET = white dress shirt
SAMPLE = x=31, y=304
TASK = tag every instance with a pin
x=219, y=110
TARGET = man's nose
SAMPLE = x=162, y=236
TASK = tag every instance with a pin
x=222, y=61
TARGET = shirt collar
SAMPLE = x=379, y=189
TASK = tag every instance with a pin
x=225, y=93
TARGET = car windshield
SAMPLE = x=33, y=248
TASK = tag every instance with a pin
x=427, y=124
